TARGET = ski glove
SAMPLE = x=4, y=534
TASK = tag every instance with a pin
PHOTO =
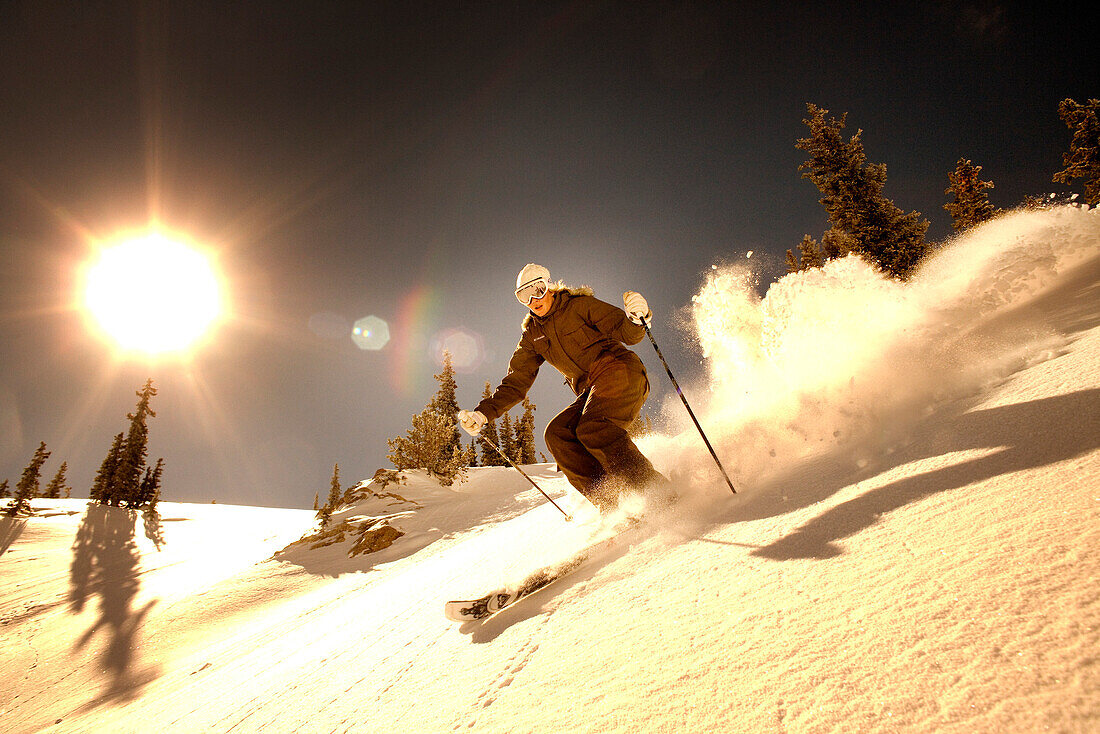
x=636, y=307
x=472, y=421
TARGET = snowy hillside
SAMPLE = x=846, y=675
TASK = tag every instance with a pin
x=914, y=546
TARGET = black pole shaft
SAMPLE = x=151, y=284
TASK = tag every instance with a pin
x=525, y=476
x=689, y=410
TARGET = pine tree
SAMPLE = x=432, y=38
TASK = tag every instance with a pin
x=445, y=403
x=334, y=492
x=149, y=490
x=507, y=437
x=862, y=219
x=4, y=491
x=1083, y=159
x=53, y=489
x=792, y=264
x=488, y=437
x=27, y=488
x=317, y=502
x=131, y=462
x=811, y=256
x=422, y=448
x=469, y=454
x=525, y=434
x=104, y=486
x=969, y=203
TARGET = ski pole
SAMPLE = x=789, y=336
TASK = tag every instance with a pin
x=568, y=517
x=690, y=412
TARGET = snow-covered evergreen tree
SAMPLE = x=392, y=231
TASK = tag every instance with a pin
x=863, y=220
x=5, y=492
x=27, y=488
x=1083, y=159
x=969, y=203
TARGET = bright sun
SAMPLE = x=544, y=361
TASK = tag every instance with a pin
x=153, y=294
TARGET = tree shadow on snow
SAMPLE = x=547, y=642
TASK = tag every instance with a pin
x=10, y=530
x=1022, y=436
x=106, y=564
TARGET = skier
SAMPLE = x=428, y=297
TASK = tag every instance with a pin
x=583, y=338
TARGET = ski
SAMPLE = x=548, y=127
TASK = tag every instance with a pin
x=494, y=602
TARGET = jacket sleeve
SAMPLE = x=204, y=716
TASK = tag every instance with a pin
x=612, y=321
x=523, y=368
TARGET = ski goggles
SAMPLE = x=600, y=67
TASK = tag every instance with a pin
x=531, y=290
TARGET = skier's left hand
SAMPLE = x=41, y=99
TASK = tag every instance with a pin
x=636, y=307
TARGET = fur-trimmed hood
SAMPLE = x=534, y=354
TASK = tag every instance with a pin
x=578, y=291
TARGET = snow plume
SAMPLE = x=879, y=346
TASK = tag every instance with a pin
x=845, y=360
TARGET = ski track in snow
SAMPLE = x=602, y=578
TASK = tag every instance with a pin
x=917, y=470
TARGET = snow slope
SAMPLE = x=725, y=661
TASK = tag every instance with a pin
x=913, y=547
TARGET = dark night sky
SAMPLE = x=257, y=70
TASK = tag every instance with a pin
x=404, y=161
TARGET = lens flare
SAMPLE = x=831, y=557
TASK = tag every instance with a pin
x=153, y=294
x=467, y=349
x=370, y=333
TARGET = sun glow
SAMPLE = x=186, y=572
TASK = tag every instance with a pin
x=153, y=294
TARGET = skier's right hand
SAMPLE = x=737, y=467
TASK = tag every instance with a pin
x=472, y=421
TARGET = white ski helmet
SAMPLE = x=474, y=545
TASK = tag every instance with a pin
x=530, y=273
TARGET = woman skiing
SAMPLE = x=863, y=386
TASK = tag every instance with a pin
x=583, y=338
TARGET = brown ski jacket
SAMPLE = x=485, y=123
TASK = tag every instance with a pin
x=578, y=331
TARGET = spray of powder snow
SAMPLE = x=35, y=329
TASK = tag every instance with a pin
x=842, y=359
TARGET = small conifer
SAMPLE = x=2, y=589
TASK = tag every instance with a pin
x=131, y=462
x=103, y=486
x=335, y=493
x=969, y=203
x=149, y=488
x=488, y=437
x=421, y=448
x=53, y=489
x=27, y=488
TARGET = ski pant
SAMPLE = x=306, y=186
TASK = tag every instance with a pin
x=589, y=440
